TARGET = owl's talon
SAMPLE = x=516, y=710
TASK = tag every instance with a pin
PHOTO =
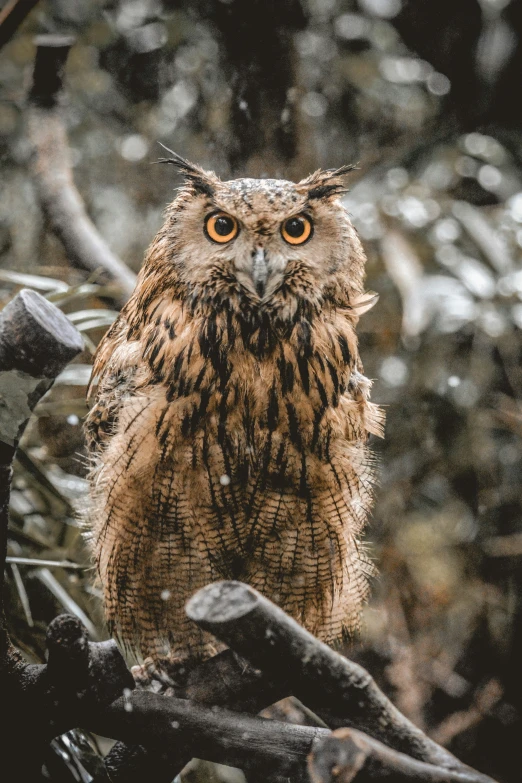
x=142, y=674
x=161, y=675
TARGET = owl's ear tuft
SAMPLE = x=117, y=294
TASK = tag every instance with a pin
x=325, y=183
x=200, y=180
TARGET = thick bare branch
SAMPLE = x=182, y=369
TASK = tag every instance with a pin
x=52, y=170
x=337, y=689
x=224, y=680
x=213, y=733
x=36, y=338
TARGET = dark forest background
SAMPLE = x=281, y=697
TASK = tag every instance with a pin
x=425, y=98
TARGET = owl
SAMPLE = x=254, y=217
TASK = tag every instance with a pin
x=228, y=435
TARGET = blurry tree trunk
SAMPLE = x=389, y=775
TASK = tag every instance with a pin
x=52, y=170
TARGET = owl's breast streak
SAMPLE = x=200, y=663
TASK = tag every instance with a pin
x=227, y=461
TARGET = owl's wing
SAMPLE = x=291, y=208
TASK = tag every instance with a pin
x=304, y=519
x=101, y=419
x=124, y=361
x=103, y=358
x=114, y=368
x=306, y=508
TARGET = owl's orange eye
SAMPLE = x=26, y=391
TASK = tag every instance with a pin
x=297, y=229
x=221, y=227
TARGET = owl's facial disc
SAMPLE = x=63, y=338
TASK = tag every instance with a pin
x=269, y=243
x=257, y=249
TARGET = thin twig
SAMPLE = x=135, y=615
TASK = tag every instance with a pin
x=38, y=562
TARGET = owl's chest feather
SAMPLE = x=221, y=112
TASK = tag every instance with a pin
x=240, y=387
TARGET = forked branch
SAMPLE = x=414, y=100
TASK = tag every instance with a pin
x=340, y=691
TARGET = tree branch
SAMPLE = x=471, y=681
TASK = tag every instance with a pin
x=337, y=689
x=224, y=680
x=213, y=733
x=52, y=170
x=347, y=754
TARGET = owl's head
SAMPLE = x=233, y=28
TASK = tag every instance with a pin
x=259, y=245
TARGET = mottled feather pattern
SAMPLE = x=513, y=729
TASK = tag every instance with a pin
x=228, y=434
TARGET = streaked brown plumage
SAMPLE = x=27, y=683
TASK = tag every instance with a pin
x=229, y=430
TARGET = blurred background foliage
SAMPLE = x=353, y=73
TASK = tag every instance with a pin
x=426, y=98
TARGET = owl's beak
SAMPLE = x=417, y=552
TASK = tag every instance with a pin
x=259, y=271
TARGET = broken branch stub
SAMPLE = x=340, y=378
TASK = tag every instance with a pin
x=77, y=666
x=52, y=52
x=36, y=337
x=348, y=754
x=36, y=342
